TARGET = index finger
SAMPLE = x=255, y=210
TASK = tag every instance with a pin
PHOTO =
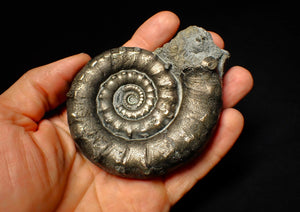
x=154, y=32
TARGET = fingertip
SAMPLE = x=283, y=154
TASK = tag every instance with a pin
x=156, y=31
x=74, y=61
x=238, y=82
x=246, y=75
x=168, y=18
x=218, y=40
x=84, y=56
x=78, y=59
x=234, y=120
x=231, y=124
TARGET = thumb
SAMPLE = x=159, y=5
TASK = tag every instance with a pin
x=42, y=89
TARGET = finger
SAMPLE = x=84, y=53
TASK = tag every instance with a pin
x=44, y=88
x=238, y=82
x=230, y=126
x=156, y=31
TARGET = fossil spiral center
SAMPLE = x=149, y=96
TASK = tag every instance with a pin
x=127, y=101
x=132, y=99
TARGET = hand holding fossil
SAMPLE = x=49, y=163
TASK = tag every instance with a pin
x=40, y=168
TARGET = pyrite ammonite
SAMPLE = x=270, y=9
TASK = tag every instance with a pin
x=141, y=114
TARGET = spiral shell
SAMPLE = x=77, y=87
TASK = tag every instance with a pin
x=136, y=115
x=128, y=97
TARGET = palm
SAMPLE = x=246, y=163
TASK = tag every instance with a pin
x=41, y=168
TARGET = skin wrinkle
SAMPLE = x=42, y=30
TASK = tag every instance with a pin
x=40, y=98
x=8, y=168
x=30, y=166
x=42, y=153
x=57, y=128
x=90, y=184
x=83, y=192
x=59, y=166
x=130, y=200
x=61, y=158
x=61, y=147
x=26, y=165
x=85, y=197
x=38, y=85
x=60, y=122
x=98, y=199
x=10, y=116
x=65, y=185
x=17, y=110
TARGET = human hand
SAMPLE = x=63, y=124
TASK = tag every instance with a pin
x=40, y=169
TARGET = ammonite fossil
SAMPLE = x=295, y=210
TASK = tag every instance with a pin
x=141, y=114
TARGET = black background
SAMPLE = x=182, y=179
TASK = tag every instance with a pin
x=261, y=172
